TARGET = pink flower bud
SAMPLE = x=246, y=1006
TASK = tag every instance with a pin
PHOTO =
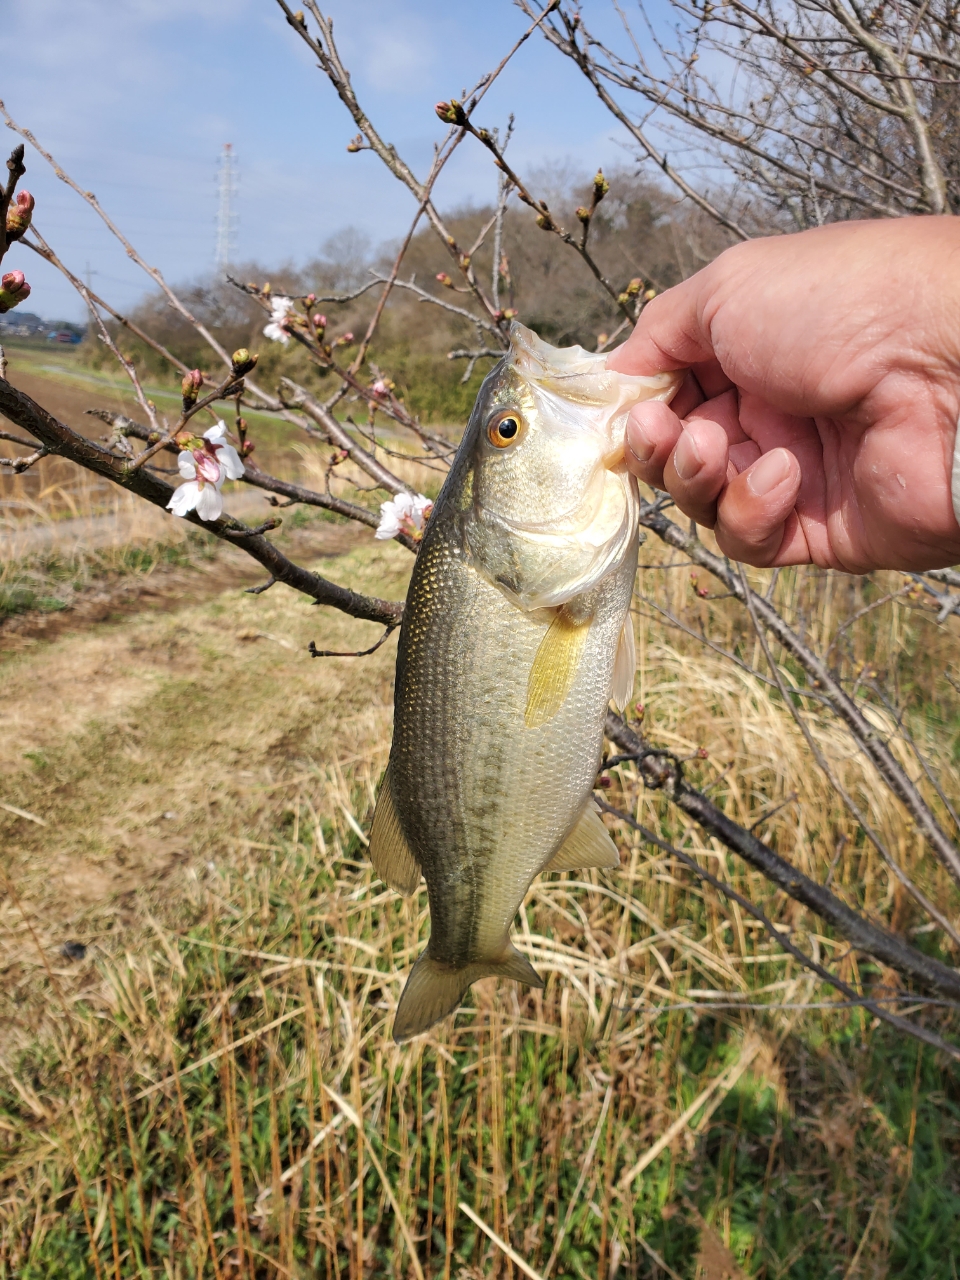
x=319, y=322
x=190, y=387
x=13, y=290
x=311, y=299
x=344, y=340
x=451, y=112
x=444, y=279
x=19, y=214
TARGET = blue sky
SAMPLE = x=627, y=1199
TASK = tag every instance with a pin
x=135, y=99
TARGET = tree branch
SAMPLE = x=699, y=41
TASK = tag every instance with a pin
x=661, y=772
x=67, y=443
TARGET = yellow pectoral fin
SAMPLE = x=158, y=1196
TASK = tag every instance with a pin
x=392, y=857
x=587, y=845
x=554, y=669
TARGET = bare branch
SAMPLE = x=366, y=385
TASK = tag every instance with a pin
x=660, y=771
x=913, y=1029
x=61, y=439
x=866, y=737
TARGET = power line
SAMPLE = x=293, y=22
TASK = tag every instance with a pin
x=227, y=215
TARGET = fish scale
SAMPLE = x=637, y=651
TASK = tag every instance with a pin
x=482, y=793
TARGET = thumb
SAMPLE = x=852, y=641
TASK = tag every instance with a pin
x=670, y=334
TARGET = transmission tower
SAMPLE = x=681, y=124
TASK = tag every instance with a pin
x=227, y=216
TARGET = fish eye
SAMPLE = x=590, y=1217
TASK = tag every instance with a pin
x=504, y=429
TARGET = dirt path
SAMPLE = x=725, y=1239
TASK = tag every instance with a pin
x=153, y=734
x=169, y=588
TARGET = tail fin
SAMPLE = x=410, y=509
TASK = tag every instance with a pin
x=434, y=990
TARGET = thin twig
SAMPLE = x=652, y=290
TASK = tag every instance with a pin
x=901, y=1024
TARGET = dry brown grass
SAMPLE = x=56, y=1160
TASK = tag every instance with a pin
x=205, y=791
x=212, y=1089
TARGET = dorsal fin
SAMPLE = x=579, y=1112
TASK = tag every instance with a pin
x=392, y=857
x=587, y=845
x=554, y=668
x=624, y=666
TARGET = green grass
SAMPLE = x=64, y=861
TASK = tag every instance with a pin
x=49, y=582
x=180, y=1102
x=497, y=1114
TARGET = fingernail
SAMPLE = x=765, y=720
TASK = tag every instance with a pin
x=772, y=469
x=639, y=443
x=687, y=458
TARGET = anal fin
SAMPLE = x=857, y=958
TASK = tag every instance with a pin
x=554, y=668
x=434, y=990
x=588, y=845
x=624, y=666
x=392, y=857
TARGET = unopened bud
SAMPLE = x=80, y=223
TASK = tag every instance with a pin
x=248, y=448
x=266, y=287
x=299, y=18
x=319, y=322
x=649, y=295
x=640, y=711
x=451, y=112
x=19, y=214
x=703, y=753
x=310, y=299
x=634, y=287
x=510, y=313
x=623, y=299
x=600, y=186
x=543, y=221
x=242, y=362
x=355, y=144
x=583, y=213
x=444, y=279
x=464, y=260
x=190, y=387
x=602, y=339
x=344, y=340
x=13, y=290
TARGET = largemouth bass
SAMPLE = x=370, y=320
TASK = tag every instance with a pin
x=516, y=634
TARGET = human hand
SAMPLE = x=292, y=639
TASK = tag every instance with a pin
x=818, y=419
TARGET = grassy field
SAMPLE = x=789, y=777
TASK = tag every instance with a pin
x=199, y=974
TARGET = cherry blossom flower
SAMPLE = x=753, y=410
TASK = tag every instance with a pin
x=277, y=328
x=406, y=513
x=205, y=467
x=381, y=387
